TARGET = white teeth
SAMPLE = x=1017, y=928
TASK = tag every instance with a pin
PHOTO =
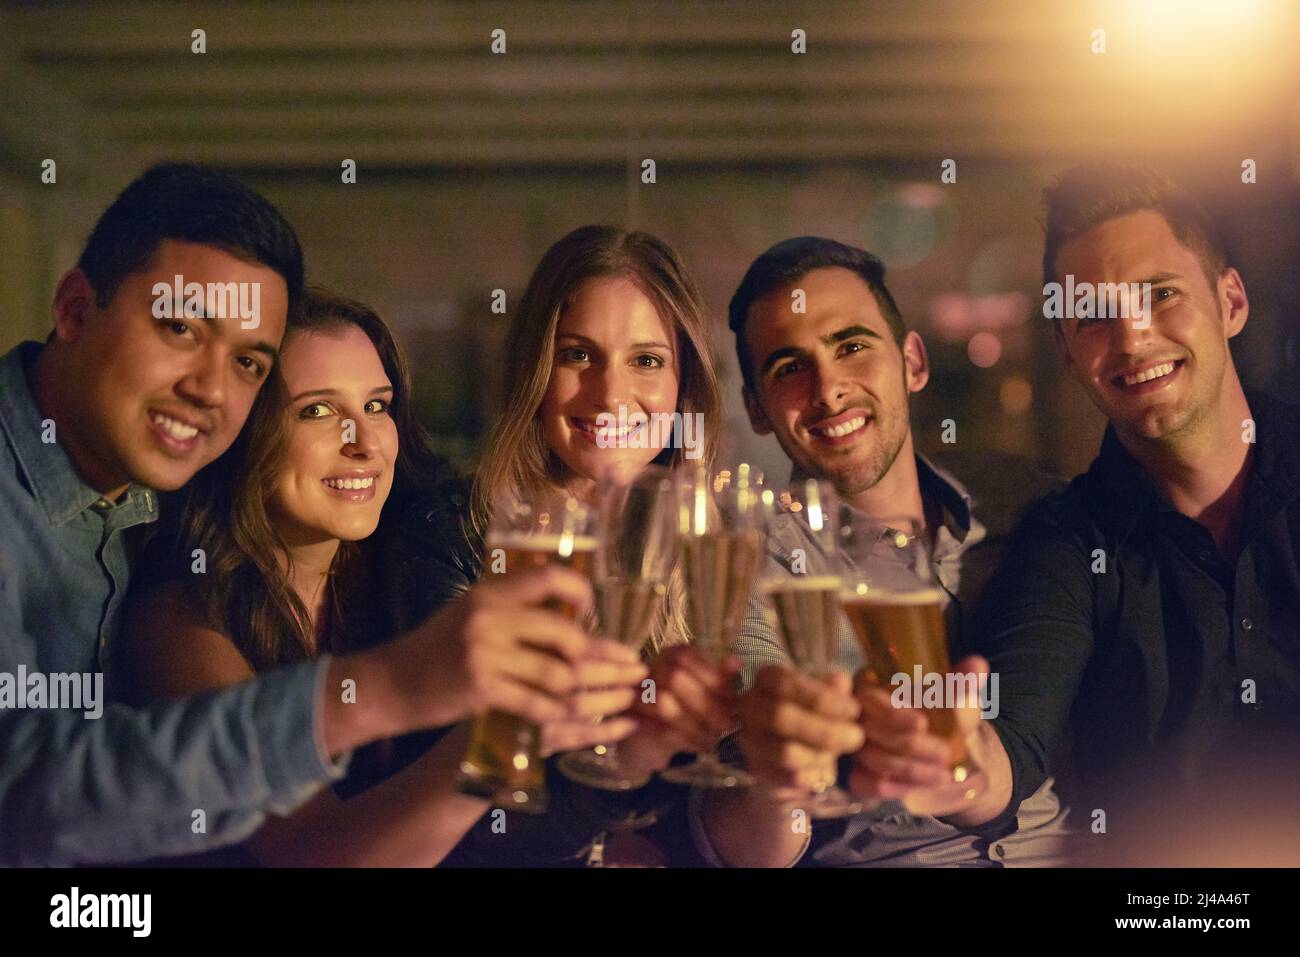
x=177, y=430
x=845, y=428
x=606, y=433
x=350, y=483
x=1155, y=372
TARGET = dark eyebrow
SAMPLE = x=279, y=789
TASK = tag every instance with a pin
x=302, y=395
x=260, y=346
x=635, y=345
x=789, y=352
x=266, y=349
x=850, y=332
x=1159, y=278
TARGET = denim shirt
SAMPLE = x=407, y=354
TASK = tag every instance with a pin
x=126, y=783
x=889, y=836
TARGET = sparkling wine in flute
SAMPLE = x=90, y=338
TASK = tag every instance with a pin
x=627, y=608
x=504, y=761
x=720, y=569
x=899, y=631
x=807, y=611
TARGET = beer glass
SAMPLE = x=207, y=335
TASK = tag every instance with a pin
x=896, y=611
x=504, y=760
x=636, y=552
x=805, y=603
x=722, y=519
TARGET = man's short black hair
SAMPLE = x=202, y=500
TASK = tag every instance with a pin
x=194, y=204
x=1088, y=195
x=789, y=261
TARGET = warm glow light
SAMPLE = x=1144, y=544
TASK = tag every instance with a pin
x=1198, y=20
x=1191, y=49
x=1015, y=395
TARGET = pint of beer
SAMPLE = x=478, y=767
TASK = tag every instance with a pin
x=504, y=760
x=899, y=631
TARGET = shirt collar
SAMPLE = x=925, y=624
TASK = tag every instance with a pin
x=1275, y=478
x=941, y=487
x=54, y=483
x=1123, y=493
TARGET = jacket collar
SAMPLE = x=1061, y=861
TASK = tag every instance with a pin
x=1122, y=494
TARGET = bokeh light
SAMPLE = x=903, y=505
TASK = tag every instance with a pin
x=984, y=349
x=1015, y=395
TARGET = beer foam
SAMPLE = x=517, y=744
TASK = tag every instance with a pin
x=887, y=596
x=803, y=583
x=548, y=542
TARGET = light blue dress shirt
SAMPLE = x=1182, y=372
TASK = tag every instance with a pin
x=126, y=785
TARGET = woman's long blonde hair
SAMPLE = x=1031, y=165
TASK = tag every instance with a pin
x=516, y=459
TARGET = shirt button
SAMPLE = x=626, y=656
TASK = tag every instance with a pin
x=1000, y=850
x=1247, y=624
x=1205, y=556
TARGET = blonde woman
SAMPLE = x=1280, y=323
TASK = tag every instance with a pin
x=609, y=367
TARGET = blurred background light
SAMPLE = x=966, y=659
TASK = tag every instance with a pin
x=1015, y=395
x=984, y=349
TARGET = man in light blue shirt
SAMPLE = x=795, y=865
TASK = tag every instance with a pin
x=141, y=385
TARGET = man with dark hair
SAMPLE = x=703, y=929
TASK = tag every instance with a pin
x=1154, y=603
x=828, y=367
x=789, y=261
x=1088, y=195
x=135, y=392
x=193, y=204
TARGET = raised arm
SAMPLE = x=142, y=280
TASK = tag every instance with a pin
x=413, y=818
x=1036, y=628
x=167, y=779
x=129, y=785
x=787, y=720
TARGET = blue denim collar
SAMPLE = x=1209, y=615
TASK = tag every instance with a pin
x=54, y=483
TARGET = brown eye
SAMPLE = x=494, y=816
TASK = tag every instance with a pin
x=253, y=366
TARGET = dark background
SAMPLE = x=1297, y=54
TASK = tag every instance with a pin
x=471, y=164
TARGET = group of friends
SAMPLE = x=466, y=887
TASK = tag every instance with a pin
x=244, y=526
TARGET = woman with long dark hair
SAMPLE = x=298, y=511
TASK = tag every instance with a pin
x=275, y=558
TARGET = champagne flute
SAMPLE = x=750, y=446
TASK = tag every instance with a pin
x=504, y=760
x=635, y=555
x=896, y=611
x=806, y=607
x=723, y=519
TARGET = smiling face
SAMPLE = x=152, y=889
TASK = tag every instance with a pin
x=161, y=398
x=328, y=487
x=832, y=383
x=613, y=352
x=1159, y=382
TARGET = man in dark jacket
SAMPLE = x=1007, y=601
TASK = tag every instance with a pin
x=1155, y=602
